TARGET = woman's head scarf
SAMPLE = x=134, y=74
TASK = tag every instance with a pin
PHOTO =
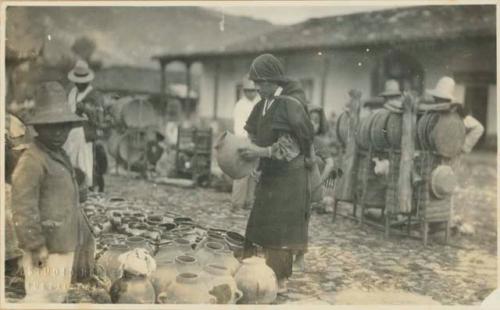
x=267, y=68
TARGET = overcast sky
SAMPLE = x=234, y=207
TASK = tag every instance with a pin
x=284, y=15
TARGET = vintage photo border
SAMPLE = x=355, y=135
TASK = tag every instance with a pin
x=5, y=4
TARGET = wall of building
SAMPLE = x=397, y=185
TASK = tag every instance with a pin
x=352, y=68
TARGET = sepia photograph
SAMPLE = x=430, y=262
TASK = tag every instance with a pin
x=249, y=153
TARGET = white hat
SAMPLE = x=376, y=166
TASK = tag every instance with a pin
x=445, y=88
x=391, y=88
x=81, y=73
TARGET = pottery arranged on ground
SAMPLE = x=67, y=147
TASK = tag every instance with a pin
x=194, y=264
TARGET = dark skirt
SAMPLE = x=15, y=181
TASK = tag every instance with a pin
x=280, y=215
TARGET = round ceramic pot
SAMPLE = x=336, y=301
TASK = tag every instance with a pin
x=163, y=276
x=137, y=228
x=132, y=289
x=139, y=216
x=228, y=158
x=165, y=227
x=110, y=263
x=170, y=250
x=183, y=220
x=257, y=281
x=187, y=289
x=236, y=243
x=187, y=263
x=221, y=284
x=226, y=258
x=212, y=236
x=140, y=242
x=100, y=224
x=208, y=253
x=154, y=220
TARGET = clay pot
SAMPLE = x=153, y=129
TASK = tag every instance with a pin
x=139, y=216
x=170, y=250
x=228, y=157
x=257, y=281
x=163, y=276
x=221, y=284
x=182, y=220
x=137, y=228
x=187, y=263
x=167, y=226
x=208, y=252
x=110, y=263
x=235, y=242
x=100, y=223
x=154, y=220
x=212, y=236
x=187, y=289
x=132, y=289
x=140, y=242
x=226, y=258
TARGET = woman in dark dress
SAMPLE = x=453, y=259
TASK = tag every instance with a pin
x=282, y=133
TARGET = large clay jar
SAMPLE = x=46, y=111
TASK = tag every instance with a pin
x=187, y=289
x=132, y=289
x=208, y=252
x=221, y=284
x=140, y=242
x=163, y=276
x=235, y=242
x=212, y=236
x=170, y=250
x=187, y=264
x=110, y=263
x=228, y=157
x=226, y=258
x=257, y=281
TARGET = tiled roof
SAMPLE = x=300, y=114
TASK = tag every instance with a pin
x=397, y=25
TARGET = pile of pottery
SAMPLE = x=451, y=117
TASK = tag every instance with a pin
x=193, y=264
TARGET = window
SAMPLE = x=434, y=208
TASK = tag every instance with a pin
x=401, y=67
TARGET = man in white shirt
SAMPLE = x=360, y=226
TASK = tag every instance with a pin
x=242, y=195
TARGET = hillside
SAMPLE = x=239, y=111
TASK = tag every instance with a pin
x=130, y=35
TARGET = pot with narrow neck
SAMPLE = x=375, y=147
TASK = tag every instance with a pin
x=164, y=275
x=208, y=252
x=226, y=258
x=221, y=284
x=169, y=250
x=140, y=242
x=212, y=236
x=187, y=263
x=187, y=289
x=132, y=289
x=257, y=281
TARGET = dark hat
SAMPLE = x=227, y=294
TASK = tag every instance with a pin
x=51, y=106
x=266, y=67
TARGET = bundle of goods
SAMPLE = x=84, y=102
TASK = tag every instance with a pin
x=152, y=256
x=401, y=156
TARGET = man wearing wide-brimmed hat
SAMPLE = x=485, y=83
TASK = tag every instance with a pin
x=444, y=93
x=83, y=99
x=45, y=197
x=243, y=189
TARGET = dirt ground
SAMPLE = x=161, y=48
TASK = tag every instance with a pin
x=351, y=264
